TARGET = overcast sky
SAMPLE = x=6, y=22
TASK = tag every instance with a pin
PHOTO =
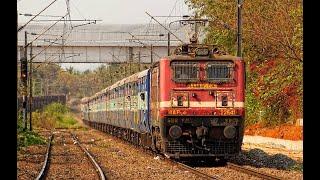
x=109, y=11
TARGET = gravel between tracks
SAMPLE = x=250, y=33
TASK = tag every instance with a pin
x=30, y=159
x=120, y=160
x=68, y=161
x=226, y=173
x=276, y=162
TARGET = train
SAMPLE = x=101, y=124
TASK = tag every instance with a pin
x=186, y=105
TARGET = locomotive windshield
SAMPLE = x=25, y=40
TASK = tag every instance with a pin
x=185, y=71
x=215, y=71
x=219, y=71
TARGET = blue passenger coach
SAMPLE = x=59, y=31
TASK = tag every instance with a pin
x=125, y=104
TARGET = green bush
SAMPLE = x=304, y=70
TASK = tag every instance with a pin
x=56, y=109
x=26, y=138
x=55, y=115
x=67, y=121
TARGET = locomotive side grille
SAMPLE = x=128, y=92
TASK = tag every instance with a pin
x=217, y=147
x=220, y=71
x=185, y=71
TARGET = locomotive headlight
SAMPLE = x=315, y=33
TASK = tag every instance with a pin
x=175, y=131
x=202, y=52
x=229, y=132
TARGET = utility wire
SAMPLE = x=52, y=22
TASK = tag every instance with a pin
x=45, y=31
x=77, y=9
x=21, y=27
x=174, y=6
x=164, y=27
x=27, y=14
x=144, y=44
x=52, y=42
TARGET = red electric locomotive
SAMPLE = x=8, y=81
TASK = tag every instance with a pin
x=197, y=103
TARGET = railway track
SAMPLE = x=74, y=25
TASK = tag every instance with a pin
x=44, y=167
x=204, y=175
x=44, y=171
x=193, y=170
x=251, y=172
x=96, y=165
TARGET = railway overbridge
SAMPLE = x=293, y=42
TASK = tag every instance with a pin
x=98, y=43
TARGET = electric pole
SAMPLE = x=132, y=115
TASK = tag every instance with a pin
x=239, y=38
x=151, y=54
x=168, y=44
x=139, y=59
x=30, y=91
x=24, y=79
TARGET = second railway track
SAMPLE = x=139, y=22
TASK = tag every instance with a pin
x=252, y=172
x=62, y=152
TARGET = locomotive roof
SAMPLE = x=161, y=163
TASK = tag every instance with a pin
x=214, y=57
x=195, y=51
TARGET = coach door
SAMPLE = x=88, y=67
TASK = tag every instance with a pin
x=154, y=101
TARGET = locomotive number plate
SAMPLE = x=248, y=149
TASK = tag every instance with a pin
x=227, y=112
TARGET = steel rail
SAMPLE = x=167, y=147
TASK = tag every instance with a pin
x=252, y=172
x=193, y=170
x=101, y=174
x=44, y=166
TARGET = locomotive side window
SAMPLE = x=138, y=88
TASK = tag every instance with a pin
x=220, y=71
x=185, y=71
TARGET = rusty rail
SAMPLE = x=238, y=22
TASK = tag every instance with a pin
x=101, y=174
x=252, y=172
x=191, y=169
x=44, y=166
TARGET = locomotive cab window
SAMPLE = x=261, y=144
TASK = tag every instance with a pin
x=185, y=71
x=220, y=71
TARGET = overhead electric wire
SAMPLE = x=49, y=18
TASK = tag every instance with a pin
x=21, y=27
x=44, y=31
x=77, y=9
x=164, y=27
x=44, y=48
x=28, y=14
x=174, y=6
x=144, y=44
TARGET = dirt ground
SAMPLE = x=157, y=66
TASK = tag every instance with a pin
x=289, y=132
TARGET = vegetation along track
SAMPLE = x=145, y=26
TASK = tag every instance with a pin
x=251, y=171
x=66, y=153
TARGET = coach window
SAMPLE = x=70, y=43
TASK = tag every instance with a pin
x=142, y=96
x=136, y=88
x=142, y=84
x=129, y=89
x=125, y=89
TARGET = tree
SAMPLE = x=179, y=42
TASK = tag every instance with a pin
x=272, y=50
